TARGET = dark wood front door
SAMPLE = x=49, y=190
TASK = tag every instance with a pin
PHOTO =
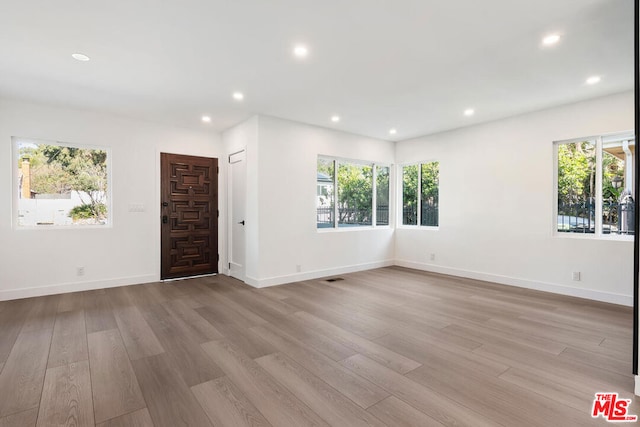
x=189, y=187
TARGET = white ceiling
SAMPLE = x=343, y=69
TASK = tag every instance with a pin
x=415, y=65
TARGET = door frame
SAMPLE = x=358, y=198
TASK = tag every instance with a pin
x=636, y=239
x=229, y=215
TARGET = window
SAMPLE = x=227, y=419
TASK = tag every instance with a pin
x=60, y=185
x=595, y=185
x=421, y=187
x=410, y=195
x=382, y=195
x=351, y=194
x=325, y=201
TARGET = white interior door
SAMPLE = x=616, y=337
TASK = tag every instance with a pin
x=237, y=204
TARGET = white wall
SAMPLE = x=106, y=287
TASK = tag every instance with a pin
x=496, y=204
x=38, y=262
x=286, y=179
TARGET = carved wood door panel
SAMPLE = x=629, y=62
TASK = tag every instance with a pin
x=189, y=222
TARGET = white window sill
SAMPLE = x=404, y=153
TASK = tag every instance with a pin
x=585, y=236
x=418, y=227
x=347, y=229
x=62, y=227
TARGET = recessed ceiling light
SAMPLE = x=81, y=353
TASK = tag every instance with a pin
x=393, y=131
x=335, y=119
x=593, y=80
x=551, y=39
x=206, y=119
x=238, y=96
x=80, y=57
x=300, y=51
x=469, y=112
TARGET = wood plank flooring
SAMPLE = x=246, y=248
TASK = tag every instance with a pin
x=386, y=347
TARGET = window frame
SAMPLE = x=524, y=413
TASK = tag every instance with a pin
x=400, y=192
x=374, y=196
x=15, y=170
x=597, y=140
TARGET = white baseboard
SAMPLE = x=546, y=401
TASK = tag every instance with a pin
x=522, y=283
x=316, y=274
x=75, y=287
x=626, y=300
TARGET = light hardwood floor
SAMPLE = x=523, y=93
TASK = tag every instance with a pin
x=391, y=347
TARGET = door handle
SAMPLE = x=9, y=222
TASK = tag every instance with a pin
x=165, y=219
x=241, y=222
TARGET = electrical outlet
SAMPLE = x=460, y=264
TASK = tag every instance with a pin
x=576, y=276
x=298, y=268
x=432, y=257
x=80, y=271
